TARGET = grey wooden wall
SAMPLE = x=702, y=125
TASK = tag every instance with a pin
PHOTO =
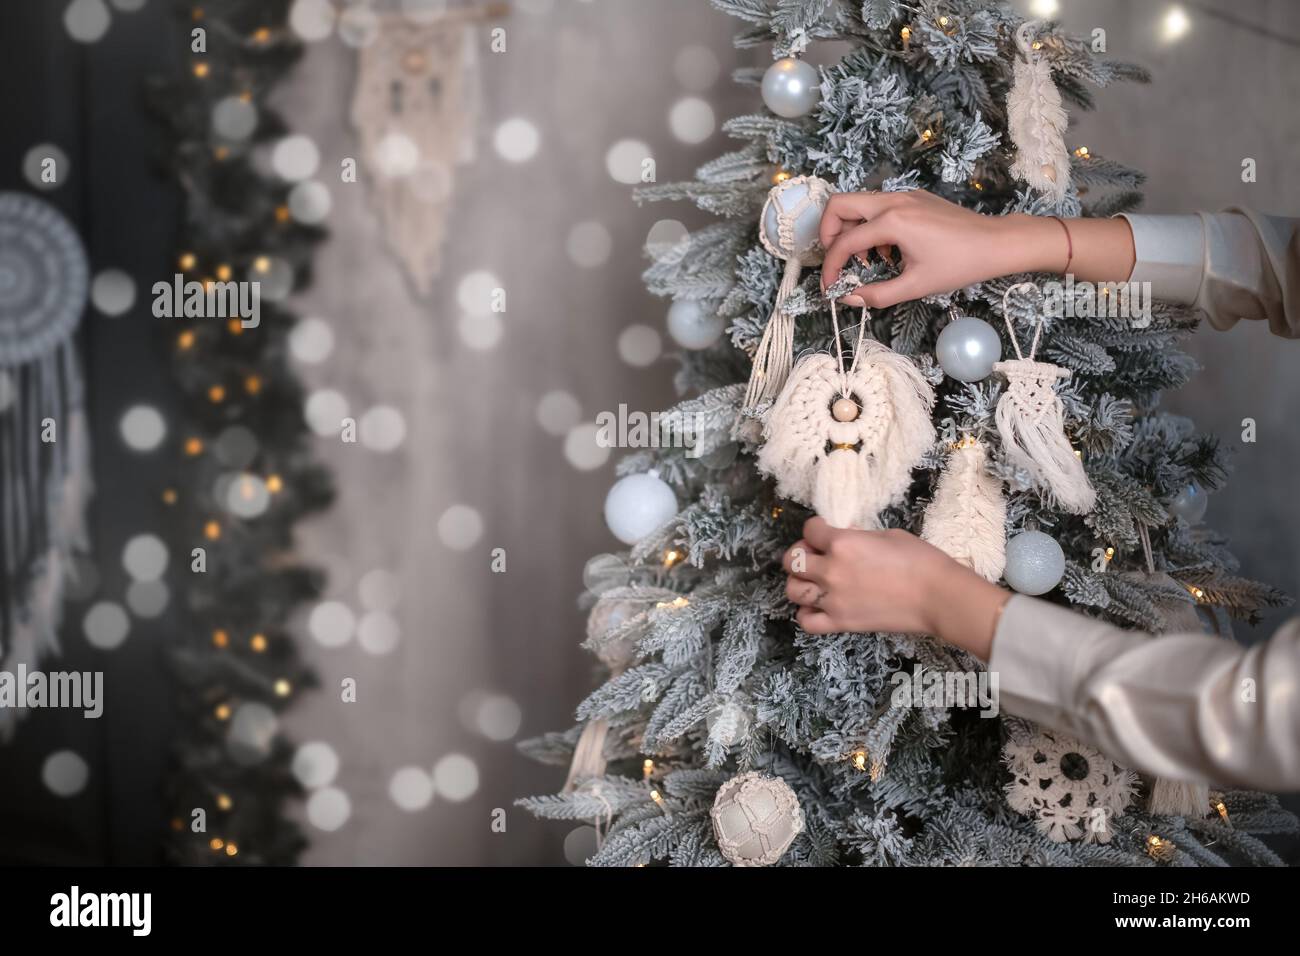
x=588, y=74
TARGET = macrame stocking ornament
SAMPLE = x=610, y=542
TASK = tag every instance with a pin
x=1031, y=423
x=789, y=230
x=1036, y=121
x=843, y=440
x=967, y=518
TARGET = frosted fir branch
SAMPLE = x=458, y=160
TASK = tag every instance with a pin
x=679, y=634
x=696, y=848
x=1240, y=597
x=1094, y=170
x=701, y=265
x=1083, y=587
x=694, y=784
x=753, y=11
x=971, y=39
x=737, y=650
x=1113, y=204
x=727, y=200
x=963, y=147
x=647, y=841
x=554, y=748
x=684, y=705
x=597, y=799
x=638, y=685
x=748, y=76
x=1107, y=428
x=881, y=14
x=1079, y=355
x=743, y=165
x=1131, y=604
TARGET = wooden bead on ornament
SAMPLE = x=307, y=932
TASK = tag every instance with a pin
x=844, y=410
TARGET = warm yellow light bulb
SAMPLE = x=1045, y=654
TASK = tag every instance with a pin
x=217, y=393
x=212, y=530
x=200, y=70
x=185, y=340
x=193, y=446
x=223, y=272
x=283, y=688
x=274, y=484
x=220, y=638
x=258, y=643
x=216, y=843
x=860, y=760
x=222, y=712
x=224, y=802
x=187, y=261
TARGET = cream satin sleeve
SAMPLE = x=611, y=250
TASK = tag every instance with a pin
x=1237, y=264
x=1182, y=706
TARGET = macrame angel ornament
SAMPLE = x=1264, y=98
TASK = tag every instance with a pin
x=844, y=440
x=789, y=230
x=1031, y=423
x=1036, y=120
x=967, y=517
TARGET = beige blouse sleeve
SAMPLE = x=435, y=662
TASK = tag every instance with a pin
x=1181, y=706
x=1237, y=264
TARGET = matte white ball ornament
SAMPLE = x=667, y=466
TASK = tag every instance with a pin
x=755, y=819
x=1190, y=504
x=693, y=324
x=791, y=88
x=638, y=505
x=1035, y=563
x=968, y=348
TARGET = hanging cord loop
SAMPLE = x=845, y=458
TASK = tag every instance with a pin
x=1011, y=329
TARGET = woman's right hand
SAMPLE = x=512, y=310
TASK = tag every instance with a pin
x=944, y=246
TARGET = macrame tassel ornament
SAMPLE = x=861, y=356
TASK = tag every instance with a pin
x=790, y=225
x=1176, y=798
x=1036, y=121
x=1031, y=423
x=967, y=518
x=845, y=441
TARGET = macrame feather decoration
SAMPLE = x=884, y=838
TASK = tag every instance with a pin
x=1031, y=423
x=967, y=517
x=775, y=353
x=416, y=107
x=843, y=440
x=44, y=484
x=1036, y=120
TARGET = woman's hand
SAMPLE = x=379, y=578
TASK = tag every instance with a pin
x=866, y=581
x=946, y=247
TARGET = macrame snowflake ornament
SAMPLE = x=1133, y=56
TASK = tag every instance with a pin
x=1070, y=790
x=755, y=819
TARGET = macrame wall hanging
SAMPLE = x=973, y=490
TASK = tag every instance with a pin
x=844, y=439
x=44, y=449
x=416, y=109
x=1036, y=121
x=1031, y=422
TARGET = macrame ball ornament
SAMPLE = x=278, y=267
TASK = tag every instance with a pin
x=967, y=349
x=637, y=505
x=1035, y=563
x=1070, y=790
x=789, y=230
x=755, y=819
x=791, y=88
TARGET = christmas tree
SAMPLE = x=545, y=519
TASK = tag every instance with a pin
x=724, y=733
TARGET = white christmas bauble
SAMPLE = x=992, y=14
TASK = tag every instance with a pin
x=967, y=349
x=693, y=325
x=755, y=819
x=728, y=723
x=1190, y=504
x=1035, y=563
x=791, y=88
x=792, y=219
x=638, y=505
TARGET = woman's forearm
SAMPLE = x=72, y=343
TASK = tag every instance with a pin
x=1096, y=250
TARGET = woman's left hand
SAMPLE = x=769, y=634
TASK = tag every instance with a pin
x=867, y=581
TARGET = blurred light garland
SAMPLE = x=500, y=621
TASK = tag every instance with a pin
x=233, y=649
